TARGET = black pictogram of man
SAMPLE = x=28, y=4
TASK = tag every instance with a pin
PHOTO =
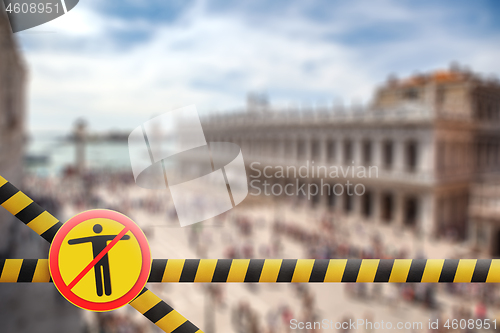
x=101, y=269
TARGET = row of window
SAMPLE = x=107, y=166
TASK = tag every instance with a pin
x=411, y=151
x=451, y=215
x=457, y=157
x=488, y=110
x=387, y=206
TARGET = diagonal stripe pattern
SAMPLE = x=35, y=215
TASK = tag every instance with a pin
x=326, y=270
x=24, y=270
x=241, y=270
x=29, y=212
x=37, y=270
x=162, y=314
x=289, y=270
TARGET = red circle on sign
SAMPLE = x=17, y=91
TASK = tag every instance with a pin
x=54, y=260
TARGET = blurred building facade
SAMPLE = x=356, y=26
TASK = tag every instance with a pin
x=484, y=217
x=12, y=119
x=431, y=137
x=40, y=301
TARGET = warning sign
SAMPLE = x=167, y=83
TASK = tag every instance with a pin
x=100, y=260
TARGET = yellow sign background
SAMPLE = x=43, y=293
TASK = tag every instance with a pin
x=125, y=260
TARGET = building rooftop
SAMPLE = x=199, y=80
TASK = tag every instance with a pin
x=408, y=100
x=454, y=74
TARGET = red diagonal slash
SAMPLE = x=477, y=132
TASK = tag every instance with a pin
x=99, y=257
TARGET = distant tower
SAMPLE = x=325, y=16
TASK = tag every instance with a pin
x=80, y=138
x=257, y=101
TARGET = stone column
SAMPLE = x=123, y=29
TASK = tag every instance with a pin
x=337, y=156
x=425, y=157
x=399, y=158
x=340, y=151
x=282, y=148
x=339, y=202
x=398, y=213
x=376, y=204
x=377, y=153
x=307, y=150
x=356, y=203
x=427, y=215
x=322, y=150
x=357, y=151
x=293, y=151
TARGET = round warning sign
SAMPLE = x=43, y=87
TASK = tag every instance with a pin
x=100, y=260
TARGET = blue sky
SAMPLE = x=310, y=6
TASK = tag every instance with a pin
x=117, y=63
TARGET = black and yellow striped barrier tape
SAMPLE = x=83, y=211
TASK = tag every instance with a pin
x=24, y=270
x=240, y=270
x=289, y=270
x=37, y=270
x=325, y=270
x=161, y=314
x=29, y=212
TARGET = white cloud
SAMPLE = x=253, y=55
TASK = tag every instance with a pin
x=212, y=60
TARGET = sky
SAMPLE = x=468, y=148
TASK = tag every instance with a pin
x=117, y=63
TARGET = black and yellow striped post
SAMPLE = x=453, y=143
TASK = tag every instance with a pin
x=37, y=270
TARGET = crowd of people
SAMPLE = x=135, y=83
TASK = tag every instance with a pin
x=246, y=319
x=115, y=322
x=241, y=237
